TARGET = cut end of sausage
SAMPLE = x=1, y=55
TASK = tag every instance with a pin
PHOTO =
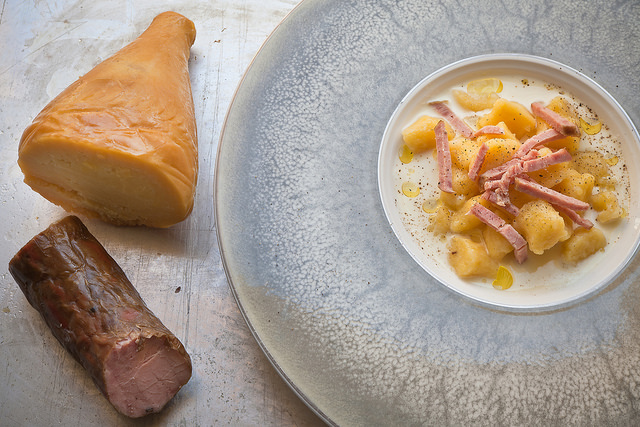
x=142, y=375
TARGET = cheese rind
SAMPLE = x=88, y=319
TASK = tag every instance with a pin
x=120, y=143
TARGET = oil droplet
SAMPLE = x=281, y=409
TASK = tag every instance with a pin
x=612, y=161
x=430, y=206
x=485, y=86
x=504, y=279
x=590, y=129
x=410, y=189
x=405, y=154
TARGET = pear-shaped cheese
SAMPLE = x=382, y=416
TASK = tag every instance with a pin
x=120, y=143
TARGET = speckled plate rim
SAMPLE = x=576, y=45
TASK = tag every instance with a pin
x=216, y=182
x=567, y=78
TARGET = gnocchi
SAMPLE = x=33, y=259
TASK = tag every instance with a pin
x=536, y=186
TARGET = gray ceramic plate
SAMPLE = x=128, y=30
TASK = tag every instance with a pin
x=353, y=324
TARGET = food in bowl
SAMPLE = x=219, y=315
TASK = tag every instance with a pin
x=508, y=171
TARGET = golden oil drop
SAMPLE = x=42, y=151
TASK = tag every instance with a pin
x=590, y=129
x=405, y=154
x=612, y=161
x=430, y=206
x=410, y=189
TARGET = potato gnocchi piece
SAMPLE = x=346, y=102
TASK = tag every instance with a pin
x=462, y=221
x=452, y=200
x=420, y=135
x=516, y=116
x=606, y=203
x=594, y=163
x=475, y=101
x=485, y=85
x=439, y=222
x=463, y=151
x=462, y=184
x=551, y=175
x=497, y=246
x=561, y=106
x=582, y=244
x=577, y=185
x=500, y=150
x=469, y=258
x=541, y=225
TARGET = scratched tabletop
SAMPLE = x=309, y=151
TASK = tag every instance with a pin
x=45, y=46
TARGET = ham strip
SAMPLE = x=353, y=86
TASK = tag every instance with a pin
x=556, y=157
x=502, y=190
x=488, y=130
x=497, y=172
x=556, y=121
x=508, y=207
x=574, y=216
x=520, y=253
x=539, y=139
x=456, y=122
x=496, y=183
x=475, y=166
x=491, y=184
x=502, y=176
x=529, y=186
x=506, y=230
x=445, y=182
x=487, y=216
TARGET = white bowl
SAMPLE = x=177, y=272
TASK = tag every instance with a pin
x=536, y=287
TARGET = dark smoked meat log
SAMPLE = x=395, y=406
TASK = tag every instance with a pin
x=98, y=316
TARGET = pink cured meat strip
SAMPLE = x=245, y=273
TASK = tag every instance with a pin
x=555, y=120
x=497, y=172
x=529, y=186
x=520, y=253
x=500, y=184
x=548, y=135
x=556, y=157
x=488, y=130
x=502, y=189
x=492, y=184
x=500, y=179
x=475, y=166
x=487, y=216
x=574, y=216
x=506, y=230
x=508, y=207
x=445, y=182
x=455, y=121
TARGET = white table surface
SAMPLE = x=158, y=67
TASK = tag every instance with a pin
x=45, y=46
